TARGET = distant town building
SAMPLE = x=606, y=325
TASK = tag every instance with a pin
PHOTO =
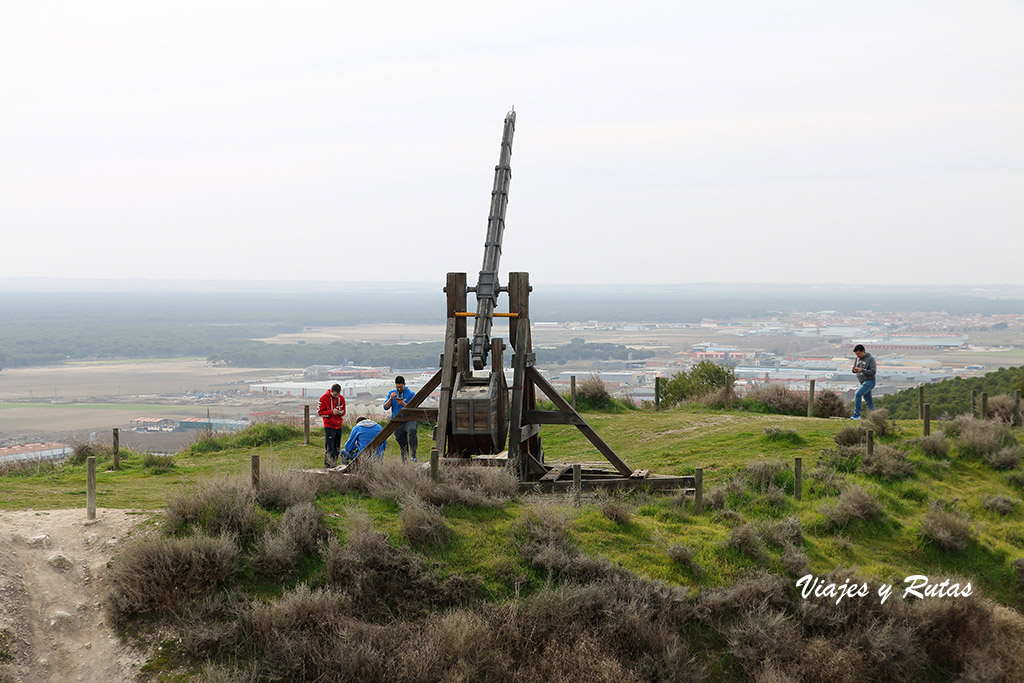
x=33, y=452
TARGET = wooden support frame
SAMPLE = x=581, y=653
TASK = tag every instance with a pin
x=391, y=426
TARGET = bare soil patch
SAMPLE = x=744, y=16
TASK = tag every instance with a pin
x=52, y=587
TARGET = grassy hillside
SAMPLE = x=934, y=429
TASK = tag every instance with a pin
x=943, y=508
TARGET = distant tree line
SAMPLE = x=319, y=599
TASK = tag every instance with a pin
x=952, y=396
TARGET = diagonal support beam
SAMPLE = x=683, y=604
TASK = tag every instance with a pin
x=588, y=431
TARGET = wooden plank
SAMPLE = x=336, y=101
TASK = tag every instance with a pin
x=587, y=430
x=529, y=431
x=392, y=425
x=416, y=415
x=516, y=453
x=640, y=474
x=550, y=417
x=556, y=472
x=447, y=386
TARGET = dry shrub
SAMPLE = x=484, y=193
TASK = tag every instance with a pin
x=775, y=496
x=216, y=506
x=1016, y=480
x=472, y=486
x=878, y=420
x=745, y=539
x=853, y=504
x=778, y=399
x=153, y=574
x=933, y=445
x=543, y=539
x=980, y=438
x=686, y=557
x=304, y=525
x=828, y=403
x=384, y=581
x=423, y=524
x=616, y=509
x=955, y=427
x=275, y=556
x=784, y=533
x=842, y=458
x=793, y=560
x=949, y=529
x=1006, y=458
x=1000, y=407
x=715, y=499
x=763, y=634
x=83, y=450
x=591, y=394
x=1004, y=505
x=751, y=589
x=157, y=463
x=887, y=462
x=280, y=489
x=851, y=435
x=825, y=481
x=761, y=475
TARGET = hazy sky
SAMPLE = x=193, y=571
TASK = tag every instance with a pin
x=657, y=142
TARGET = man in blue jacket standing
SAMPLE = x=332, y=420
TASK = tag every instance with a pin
x=361, y=436
x=406, y=432
x=865, y=368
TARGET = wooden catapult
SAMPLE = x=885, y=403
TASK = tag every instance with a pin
x=475, y=416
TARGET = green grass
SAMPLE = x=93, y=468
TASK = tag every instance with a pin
x=669, y=442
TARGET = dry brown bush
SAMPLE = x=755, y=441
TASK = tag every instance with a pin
x=761, y=475
x=1003, y=505
x=384, y=581
x=1006, y=458
x=216, y=506
x=423, y=524
x=616, y=509
x=879, y=421
x=686, y=556
x=472, y=486
x=851, y=435
x=853, y=504
x=280, y=489
x=934, y=445
x=1000, y=407
x=715, y=499
x=793, y=560
x=304, y=524
x=887, y=462
x=979, y=438
x=948, y=529
x=745, y=539
x=783, y=533
x=825, y=481
x=842, y=458
x=828, y=403
x=154, y=574
x=275, y=556
x=779, y=399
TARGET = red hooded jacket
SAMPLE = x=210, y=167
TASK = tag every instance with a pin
x=327, y=405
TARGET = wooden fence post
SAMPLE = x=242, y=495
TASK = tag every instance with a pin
x=984, y=405
x=657, y=393
x=974, y=403
x=572, y=390
x=798, y=474
x=435, y=472
x=871, y=442
x=577, y=483
x=698, y=493
x=117, y=448
x=1016, y=408
x=255, y=472
x=90, y=487
x=920, y=402
x=810, y=400
x=305, y=423
x=927, y=419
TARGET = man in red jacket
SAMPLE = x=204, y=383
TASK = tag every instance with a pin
x=332, y=410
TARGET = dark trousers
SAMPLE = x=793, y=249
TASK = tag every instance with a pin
x=332, y=446
x=405, y=435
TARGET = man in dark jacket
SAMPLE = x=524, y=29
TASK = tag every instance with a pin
x=864, y=367
x=332, y=410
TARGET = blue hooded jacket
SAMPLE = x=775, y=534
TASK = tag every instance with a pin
x=361, y=436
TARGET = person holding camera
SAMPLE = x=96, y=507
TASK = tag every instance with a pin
x=405, y=435
x=865, y=368
x=332, y=411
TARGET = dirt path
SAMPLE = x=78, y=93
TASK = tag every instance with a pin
x=52, y=569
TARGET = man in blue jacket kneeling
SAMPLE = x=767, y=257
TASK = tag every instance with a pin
x=361, y=436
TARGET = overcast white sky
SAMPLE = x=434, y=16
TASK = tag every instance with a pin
x=657, y=142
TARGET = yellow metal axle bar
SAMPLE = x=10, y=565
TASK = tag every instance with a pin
x=467, y=314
